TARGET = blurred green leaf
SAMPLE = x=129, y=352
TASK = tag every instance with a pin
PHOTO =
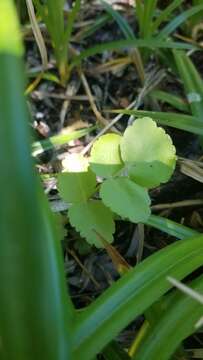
x=165, y=14
x=36, y=312
x=170, y=227
x=171, y=99
x=192, y=81
x=39, y=147
x=176, y=120
x=151, y=43
x=177, y=21
x=121, y=21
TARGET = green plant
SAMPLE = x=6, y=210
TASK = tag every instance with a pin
x=176, y=309
x=33, y=290
x=37, y=317
x=151, y=36
x=143, y=158
x=52, y=13
x=192, y=103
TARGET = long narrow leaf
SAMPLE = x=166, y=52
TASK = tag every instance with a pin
x=121, y=44
x=39, y=147
x=177, y=21
x=170, y=227
x=149, y=8
x=192, y=82
x=165, y=14
x=139, y=10
x=178, y=121
x=36, y=315
x=131, y=295
x=174, y=100
x=122, y=23
x=71, y=19
x=51, y=13
x=176, y=323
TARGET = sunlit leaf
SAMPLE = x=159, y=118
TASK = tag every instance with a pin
x=149, y=153
x=105, y=157
x=75, y=163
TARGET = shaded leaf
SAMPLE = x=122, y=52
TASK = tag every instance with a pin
x=76, y=186
x=126, y=198
x=176, y=120
x=150, y=43
x=90, y=216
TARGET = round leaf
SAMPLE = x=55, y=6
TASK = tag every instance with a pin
x=105, y=159
x=76, y=186
x=148, y=152
x=126, y=198
x=90, y=216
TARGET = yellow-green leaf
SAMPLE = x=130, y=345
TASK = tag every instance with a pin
x=148, y=152
x=105, y=157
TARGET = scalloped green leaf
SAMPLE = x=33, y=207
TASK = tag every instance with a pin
x=77, y=187
x=148, y=153
x=105, y=159
x=90, y=216
x=127, y=199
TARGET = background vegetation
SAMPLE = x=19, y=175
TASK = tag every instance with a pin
x=97, y=230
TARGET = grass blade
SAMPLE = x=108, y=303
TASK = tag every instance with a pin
x=178, y=121
x=139, y=10
x=165, y=14
x=192, y=82
x=37, y=34
x=122, y=23
x=149, y=9
x=177, y=21
x=39, y=147
x=70, y=23
x=51, y=13
x=131, y=295
x=129, y=34
x=97, y=24
x=170, y=227
x=173, y=100
x=36, y=316
x=132, y=43
x=181, y=314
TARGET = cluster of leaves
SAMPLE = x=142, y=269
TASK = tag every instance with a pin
x=141, y=159
x=30, y=252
